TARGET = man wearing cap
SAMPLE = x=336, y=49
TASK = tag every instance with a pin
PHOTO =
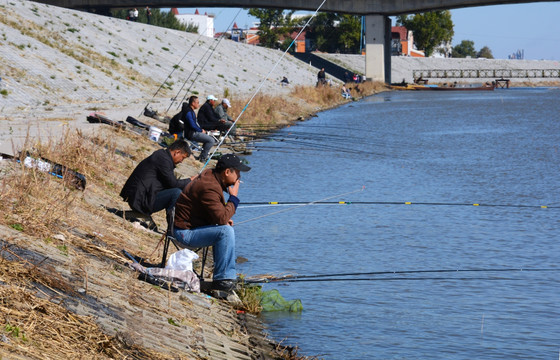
x=152, y=186
x=203, y=217
x=207, y=118
x=225, y=119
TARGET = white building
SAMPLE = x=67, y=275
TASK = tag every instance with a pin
x=204, y=22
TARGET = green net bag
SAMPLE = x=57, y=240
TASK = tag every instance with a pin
x=271, y=300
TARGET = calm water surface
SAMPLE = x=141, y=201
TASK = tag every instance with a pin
x=499, y=148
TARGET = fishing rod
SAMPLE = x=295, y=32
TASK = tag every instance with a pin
x=337, y=276
x=168, y=76
x=262, y=84
x=300, y=205
x=196, y=66
x=275, y=203
x=209, y=57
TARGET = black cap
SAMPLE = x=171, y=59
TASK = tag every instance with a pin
x=229, y=161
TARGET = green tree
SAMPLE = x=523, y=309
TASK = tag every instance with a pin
x=159, y=18
x=464, y=49
x=274, y=23
x=430, y=29
x=348, y=32
x=332, y=32
x=485, y=52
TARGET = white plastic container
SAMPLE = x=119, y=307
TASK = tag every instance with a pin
x=155, y=133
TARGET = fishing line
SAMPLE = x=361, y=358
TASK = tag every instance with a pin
x=333, y=277
x=203, y=65
x=208, y=59
x=261, y=85
x=276, y=203
x=168, y=76
x=300, y=205
x=389, y=279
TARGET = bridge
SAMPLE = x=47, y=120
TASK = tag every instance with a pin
x=376, y=12
x=501, y=76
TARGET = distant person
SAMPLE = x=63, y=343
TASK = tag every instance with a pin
x=135, y=14
x=347, y=77
x=203, y=217
x=152, y=186
x=225, y=119
x=321, y=77
x=148, y=14
x=285, y=81
x=194, y=132
x=130, y=15
x=345, y=92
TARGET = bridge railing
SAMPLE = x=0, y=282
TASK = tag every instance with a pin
x=486, y=73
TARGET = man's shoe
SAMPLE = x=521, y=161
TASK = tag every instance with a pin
x=226, y=285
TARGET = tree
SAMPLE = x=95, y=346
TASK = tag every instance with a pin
x=485, y=52
x=430, y=29
x=348, y=33
x=159, y=18
x=464, y=49
x=273, y=24
x=332, y=32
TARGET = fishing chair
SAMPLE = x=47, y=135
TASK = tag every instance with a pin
x=170, y=239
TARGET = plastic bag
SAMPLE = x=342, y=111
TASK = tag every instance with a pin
x=181, y=260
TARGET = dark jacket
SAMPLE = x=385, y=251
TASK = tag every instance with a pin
x=177, y=122
x=202, y=203
x=153, y=174
x=207, y=118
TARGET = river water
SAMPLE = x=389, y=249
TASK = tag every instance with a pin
x=445, y=150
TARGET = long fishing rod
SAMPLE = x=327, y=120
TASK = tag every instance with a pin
x=262, y=84
x=291, y=203
x=300, y=205
x=196, y=66
x=337, y=276
x=171, y=73
x=209, y=57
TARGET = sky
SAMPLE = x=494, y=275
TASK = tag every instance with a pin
x=533, y=28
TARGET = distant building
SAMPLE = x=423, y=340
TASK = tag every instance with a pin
x=402, y=43
x=518, y=55
x=204, y=22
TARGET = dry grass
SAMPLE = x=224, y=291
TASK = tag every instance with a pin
x=37, y=328
x=271, y=112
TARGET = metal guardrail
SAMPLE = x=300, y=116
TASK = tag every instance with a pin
x=489, y=73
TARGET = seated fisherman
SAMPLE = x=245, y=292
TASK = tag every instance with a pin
x=194, y=132
x=203, y=217
x=208, y=119
x=152, y=186
x=177, y=123
x=221, y=112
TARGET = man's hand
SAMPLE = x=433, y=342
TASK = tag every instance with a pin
x=234, y=189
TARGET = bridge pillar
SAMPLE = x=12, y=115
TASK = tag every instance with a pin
x=378, y=48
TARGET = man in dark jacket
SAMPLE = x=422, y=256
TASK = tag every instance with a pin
x=207, y=117
x=152, y=186
x=203, y=217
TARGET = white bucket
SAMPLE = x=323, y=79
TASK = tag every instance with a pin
x=155, y=133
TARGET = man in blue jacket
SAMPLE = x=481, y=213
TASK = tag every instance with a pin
x=152, y=186
x=193, y=130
